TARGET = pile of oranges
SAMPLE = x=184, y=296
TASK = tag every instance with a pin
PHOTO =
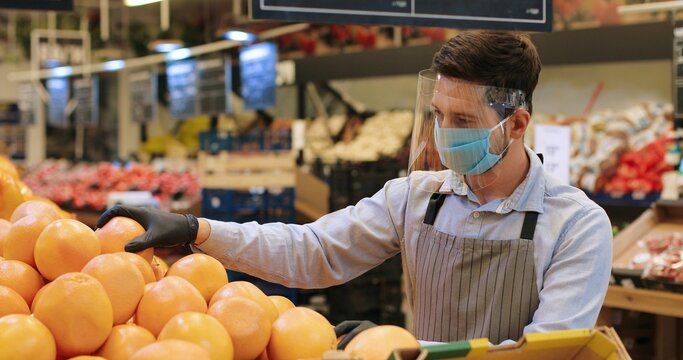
x=68, y=292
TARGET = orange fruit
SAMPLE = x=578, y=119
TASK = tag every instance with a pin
x=142, y=265
x=21, y=239
x=165, y=299
x=248, y=290
x=76, y=309
x=25, y=337
x=204, y=272
x=65, y=246
x=4, y=229
x=118, y=232
x=200, y=329
x=21, y=278
x=281, y=303
x=171, y=350
x=246, y=322
x=87, y=357
x=159, y=266
x=300, y=333
x=121, y=280
x=62, y=214
x=7, y=167
x=263, y=356
x=10, y=195
x=378, y=343
x=24, y=190
x=124, y=341
x=36, y=208
x=12, y=303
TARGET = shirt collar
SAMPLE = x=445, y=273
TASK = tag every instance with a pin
x=525, y=197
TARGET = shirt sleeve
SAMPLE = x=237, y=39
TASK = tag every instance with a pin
x=332, y=250
x=575, y=283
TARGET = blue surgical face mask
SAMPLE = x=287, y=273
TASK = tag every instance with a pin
x=466, y=151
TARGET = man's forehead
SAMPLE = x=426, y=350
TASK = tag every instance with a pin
x=459, y=89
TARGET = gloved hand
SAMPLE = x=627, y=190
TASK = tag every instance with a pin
x=162, y=229
x=350, y=328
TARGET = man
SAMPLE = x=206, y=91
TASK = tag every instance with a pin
x=492, y=246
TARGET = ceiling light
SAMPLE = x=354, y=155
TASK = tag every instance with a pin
x=179, y=54
x=61, y=71
x=139, y=2
x=238, y=35
x=165, y=45
x=114, y=65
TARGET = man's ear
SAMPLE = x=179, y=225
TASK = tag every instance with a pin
x=519, y=122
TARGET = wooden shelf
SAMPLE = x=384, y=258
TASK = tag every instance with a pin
x=649, y=301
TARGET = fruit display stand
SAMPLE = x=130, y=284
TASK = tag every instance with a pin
x=633, y=293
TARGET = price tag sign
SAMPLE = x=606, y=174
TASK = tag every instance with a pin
x=144, y=91
x=87, y=95
x=554, y=142
x=59, y=93
x=182, y=87
x=258, y=75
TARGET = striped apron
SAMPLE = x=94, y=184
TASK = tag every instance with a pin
x=470, y=288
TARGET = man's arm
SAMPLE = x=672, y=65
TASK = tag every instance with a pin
x=334, y=249
x=575, y=283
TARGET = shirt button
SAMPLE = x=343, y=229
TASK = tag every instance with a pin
x=506, y=203
x=476, y=215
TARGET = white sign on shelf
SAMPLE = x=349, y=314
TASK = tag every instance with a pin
x=554, y=142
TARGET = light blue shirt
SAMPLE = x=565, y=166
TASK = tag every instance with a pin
x=573, y=240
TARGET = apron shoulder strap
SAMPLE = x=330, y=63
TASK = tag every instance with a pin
x=435, y=202
x=529, y=225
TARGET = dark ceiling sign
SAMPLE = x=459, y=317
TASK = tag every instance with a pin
x=59, y=5
x=524, y=15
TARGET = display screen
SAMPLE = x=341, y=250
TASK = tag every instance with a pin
x=144, y=91
x=63, y=5
x=181, y=77
x=215, y=86
x=529, y=15
x=258, y=74
x=59, y=92
x=87, y=95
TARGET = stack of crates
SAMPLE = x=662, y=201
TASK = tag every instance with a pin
x=249, y=177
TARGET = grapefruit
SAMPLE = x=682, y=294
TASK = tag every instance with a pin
x=165, y=299
x=12, y=303
x=65, y=246
x=248, y=290
x=118, y=232
x=379, y=342
x=171, y=350
x=281, y=303
x=246, y=322
x=124, y=341
x=25, y=337
x=76, y=309
x=200, y=329
x=36, y=208
x=121, y=280
x=21, y=239
x=300, y=333
x=204, y=272
x=21, y=278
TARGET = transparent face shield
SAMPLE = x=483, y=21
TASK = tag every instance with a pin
x=463, y=127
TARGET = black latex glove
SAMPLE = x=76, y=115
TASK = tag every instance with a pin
x=350, y=328
x=162, y=229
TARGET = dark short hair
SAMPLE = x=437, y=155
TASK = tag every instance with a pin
x=493, y=58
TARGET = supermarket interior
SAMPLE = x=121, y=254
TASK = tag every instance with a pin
x=263, y=179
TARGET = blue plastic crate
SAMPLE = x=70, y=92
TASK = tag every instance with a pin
x=255, y=141
x=214, y=142
x=268, y=288
x=235, y=216
x=280, y=198
x=233, y=200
